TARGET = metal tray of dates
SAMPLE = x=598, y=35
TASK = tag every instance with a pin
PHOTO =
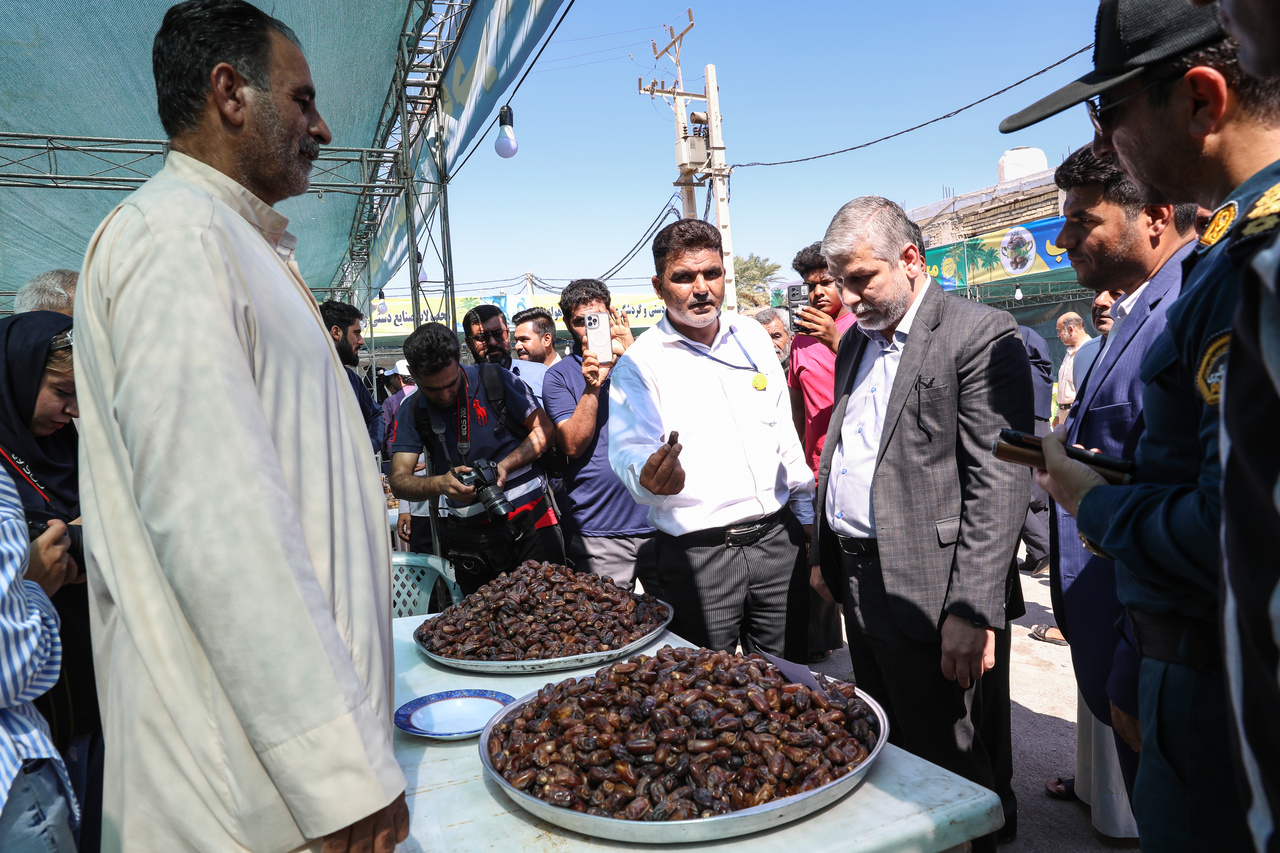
x=530, y=575
x=651, y=827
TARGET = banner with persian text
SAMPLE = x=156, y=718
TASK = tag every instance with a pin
x=642, y=309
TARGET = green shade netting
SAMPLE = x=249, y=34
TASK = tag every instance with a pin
x=82, y=68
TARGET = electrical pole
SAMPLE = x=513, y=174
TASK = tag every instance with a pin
x=699, y=150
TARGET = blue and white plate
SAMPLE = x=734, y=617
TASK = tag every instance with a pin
x=452, y=715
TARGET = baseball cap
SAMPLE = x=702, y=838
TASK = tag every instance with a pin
x=402, y=367
x=1130, y=37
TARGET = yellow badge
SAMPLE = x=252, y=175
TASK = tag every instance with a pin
x=1220, y=224
x=1213, y=368
x=759, y=382
x=1257, y=226
x=1267, y=204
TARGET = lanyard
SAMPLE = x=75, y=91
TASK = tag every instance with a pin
x=697, y=351
x=758, y=381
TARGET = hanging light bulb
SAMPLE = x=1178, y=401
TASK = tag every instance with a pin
x=506, y=144
x=1017, y=293
x=382, y=303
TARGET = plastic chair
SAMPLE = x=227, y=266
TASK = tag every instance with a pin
x=413, y=577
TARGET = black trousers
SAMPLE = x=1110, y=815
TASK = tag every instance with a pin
x=1035, y=530
x=965, y=731
x=756, y=595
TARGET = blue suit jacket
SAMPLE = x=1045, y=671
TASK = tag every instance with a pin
x=1041, y=370
x=1107, y=415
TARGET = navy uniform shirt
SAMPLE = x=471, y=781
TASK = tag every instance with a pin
x=1164, y=529
x=489, y=437
x=1251, y=520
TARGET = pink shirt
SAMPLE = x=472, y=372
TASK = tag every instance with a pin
x=813, y=370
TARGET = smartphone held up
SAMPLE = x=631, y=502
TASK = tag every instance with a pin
x=599, y=336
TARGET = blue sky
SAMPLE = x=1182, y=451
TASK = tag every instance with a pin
x=596, y=159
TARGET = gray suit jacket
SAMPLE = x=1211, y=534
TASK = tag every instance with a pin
x=948, y=514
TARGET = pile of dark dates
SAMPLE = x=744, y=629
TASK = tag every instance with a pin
x=541, y=611
x=686, y=733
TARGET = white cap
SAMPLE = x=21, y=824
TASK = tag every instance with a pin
x=402, y=367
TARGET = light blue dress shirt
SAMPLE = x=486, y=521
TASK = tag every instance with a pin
x=30, y=653
x=853, y=465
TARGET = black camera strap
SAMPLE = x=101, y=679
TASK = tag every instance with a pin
x=464, y=424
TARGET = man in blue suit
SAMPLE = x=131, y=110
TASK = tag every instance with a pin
x=1114, y=243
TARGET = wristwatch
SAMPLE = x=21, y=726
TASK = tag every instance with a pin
x=1093, y=547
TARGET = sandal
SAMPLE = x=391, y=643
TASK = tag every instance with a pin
x=1041, y=633
x=1061, y=788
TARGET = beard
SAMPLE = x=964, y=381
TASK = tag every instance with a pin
x=888, y=310
x=1116, y=265
x=346, y=354
x=280, y=162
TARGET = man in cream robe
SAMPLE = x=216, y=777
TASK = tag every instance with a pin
x=238, y=550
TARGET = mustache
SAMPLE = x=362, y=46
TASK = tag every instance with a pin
x=309, y=148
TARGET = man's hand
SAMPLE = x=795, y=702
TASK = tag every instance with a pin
x=620, y=332
x=402, y=526
x=452, y=488
x=819, y=325
x=663, y=474
x=1066, y=480
x=819, y=584
x=967, y=651
x=380, y=832
x=50, y=564
x=1129, y=729
x=593, y=372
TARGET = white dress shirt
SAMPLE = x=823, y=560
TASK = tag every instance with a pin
x=1066, y=376
x=239, y=566
x=741, y=456
x=1119, y=311
x=853, y=465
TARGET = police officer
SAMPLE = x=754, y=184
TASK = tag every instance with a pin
x=1251, y=480
x=1174, y=110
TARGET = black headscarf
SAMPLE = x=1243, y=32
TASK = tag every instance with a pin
x=51, y=460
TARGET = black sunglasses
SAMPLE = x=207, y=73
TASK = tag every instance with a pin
x=1097, y=109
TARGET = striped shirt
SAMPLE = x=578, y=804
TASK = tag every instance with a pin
x=30, y=652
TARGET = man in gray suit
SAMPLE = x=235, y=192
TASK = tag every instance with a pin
x=918, y=523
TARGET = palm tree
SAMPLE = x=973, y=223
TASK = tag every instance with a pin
x=985, y=257
x=753, y=275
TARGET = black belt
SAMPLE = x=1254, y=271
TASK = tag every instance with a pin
x=735, y=535
x=1186, y=641
x=858, y=547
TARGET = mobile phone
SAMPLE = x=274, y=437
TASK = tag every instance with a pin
x=599, y=338
x=1025, y=449
x=797, y=298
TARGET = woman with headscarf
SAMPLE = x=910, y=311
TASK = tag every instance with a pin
x=38, y=448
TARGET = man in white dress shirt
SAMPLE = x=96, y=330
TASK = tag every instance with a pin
x=1072, y=334
x=237, y=546
x=734, y=512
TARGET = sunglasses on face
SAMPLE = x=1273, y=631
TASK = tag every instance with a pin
x=491, y=335
x=1101, y=114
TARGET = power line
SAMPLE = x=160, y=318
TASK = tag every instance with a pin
x=667, y=210
x=951, y=114
x=602, y=35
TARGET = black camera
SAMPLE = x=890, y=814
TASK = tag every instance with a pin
x=797, y=298
x=75, y=533
x=483, y=477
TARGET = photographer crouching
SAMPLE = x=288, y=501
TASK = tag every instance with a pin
x=482, y=433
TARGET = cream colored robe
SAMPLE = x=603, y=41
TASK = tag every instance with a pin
x=239, y=565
